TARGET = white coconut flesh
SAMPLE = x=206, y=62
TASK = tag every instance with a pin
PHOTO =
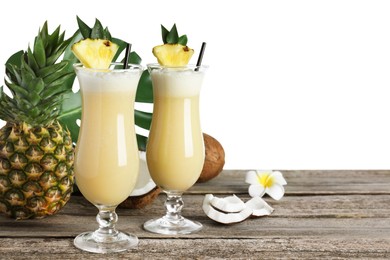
x=259, y=207
x=232, y=209
x=230, y=204
x=224, y=217
x=144, y=182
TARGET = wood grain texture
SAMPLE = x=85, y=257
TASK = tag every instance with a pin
x=261, y=248
x=324, y=214
x=306, y=182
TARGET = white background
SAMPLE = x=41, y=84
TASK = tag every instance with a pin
x=291, y=84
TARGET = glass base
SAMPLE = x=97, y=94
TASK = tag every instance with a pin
x=89, y=242
x=163, y=226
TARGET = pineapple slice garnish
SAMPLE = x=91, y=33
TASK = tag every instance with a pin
x=174, y=52
x=95, y=53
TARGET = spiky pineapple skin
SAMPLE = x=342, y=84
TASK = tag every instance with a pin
x=36, y=169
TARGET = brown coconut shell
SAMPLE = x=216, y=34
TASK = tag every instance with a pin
x=139, y=202
x=214, y=159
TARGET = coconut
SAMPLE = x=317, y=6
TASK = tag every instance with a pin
x=259, y=207
x=224, y=217
x=214, y=159
x=230, y=204
x=141, y=201
x=231, y=209
x=145, y=190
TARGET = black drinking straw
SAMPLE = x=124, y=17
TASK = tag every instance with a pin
x=127, y=54
x=199, y=62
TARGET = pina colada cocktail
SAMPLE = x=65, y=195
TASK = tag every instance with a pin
x=175, y=150
x=106, y=154
x=106, y=158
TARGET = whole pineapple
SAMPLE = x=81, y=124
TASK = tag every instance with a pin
x=36, y=152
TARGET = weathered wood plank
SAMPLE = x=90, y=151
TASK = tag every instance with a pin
x=352, y=215
x=305, y=182
x=324, y=214
x=262, y=248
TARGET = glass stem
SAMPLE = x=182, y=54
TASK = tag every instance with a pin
x=173, y=204
x=107, y=218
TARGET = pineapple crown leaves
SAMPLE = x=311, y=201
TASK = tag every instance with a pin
x=96, y=32
x=36, y=81
x=172, y=36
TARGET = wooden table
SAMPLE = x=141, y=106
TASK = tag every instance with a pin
x=324, y=214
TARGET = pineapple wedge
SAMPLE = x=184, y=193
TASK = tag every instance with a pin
x=173, y=54
x=95, y=53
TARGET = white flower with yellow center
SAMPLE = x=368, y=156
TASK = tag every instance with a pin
x=269, y=182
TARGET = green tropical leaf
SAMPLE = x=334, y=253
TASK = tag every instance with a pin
x=15, y=59
x=68, y=54
x=12, y=64
x=134, y=58
x=71, y=112
x=70, y=109
x=143, y=119
x=121, y=47
x=145, y=89
x=142, y=140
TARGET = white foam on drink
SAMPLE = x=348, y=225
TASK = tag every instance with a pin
x=177, y=83
x=110, y=81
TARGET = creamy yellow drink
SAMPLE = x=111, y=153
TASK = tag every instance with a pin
x=106, y=156
x=175, y=150
x=107, y=162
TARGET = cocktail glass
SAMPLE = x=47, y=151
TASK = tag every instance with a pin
x=175, y=149
x=106, y=156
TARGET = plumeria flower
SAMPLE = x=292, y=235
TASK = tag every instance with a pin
x=261, y=182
